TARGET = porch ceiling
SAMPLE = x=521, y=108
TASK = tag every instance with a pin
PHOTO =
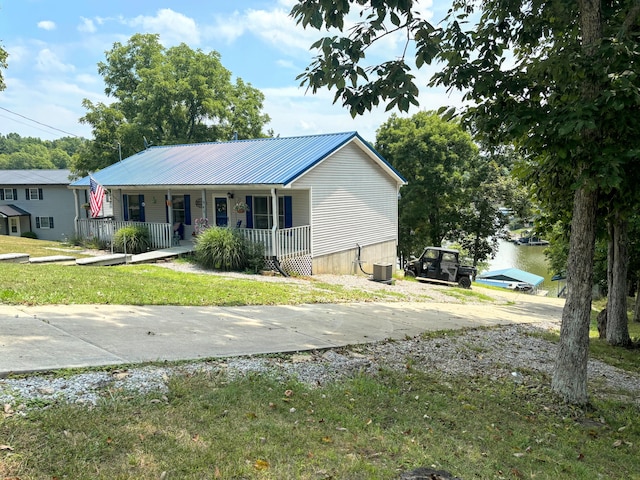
x=12, y=211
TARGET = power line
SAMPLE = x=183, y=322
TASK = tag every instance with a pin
x=39, y=123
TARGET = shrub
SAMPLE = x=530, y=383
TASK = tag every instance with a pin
x=255, y=256
x=29, y=235
x=135, y=238
x=221, y=248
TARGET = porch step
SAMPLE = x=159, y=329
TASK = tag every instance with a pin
x=52, y=259
x=105, y=260
x=14, y=258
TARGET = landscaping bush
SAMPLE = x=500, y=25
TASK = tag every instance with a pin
x=255, y=256
x=29, y=235
x=221, y=248
x=137, y=239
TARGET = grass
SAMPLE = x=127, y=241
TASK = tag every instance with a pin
x=25, y=284
x=261, y=427
x=153, y=285
x=36, y=248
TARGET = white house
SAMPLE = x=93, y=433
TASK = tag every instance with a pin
x=37, y=201
x=319, y=204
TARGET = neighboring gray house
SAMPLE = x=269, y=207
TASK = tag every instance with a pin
x=315, y=202
x=37, y=201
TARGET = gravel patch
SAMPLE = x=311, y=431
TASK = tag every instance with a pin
x=498, y=353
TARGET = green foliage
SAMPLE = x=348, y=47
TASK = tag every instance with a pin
x=168, y=96
x=254, y=255
x=21, y=153
x=29, y=235
x=3, y=64
x=132, y=239
x=221, y=248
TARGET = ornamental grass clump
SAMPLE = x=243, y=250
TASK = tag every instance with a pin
x=132, y=239
x=221, y=248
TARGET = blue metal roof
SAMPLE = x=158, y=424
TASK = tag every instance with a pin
x=513, y=275
x=34, y=177
x=263, y=161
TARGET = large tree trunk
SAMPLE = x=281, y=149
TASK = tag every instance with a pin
x=570, y=374
x=636, y=310
x=617, y=320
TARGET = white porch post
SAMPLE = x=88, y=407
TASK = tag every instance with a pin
x=204, y=203
x=170, y=208
x=274, y=228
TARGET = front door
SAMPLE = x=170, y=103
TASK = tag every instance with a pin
x=14, y=226
x=222, y=217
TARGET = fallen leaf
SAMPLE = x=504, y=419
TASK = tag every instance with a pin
x=120, y=374
x=217, y=473
x=327, y=440
x=6, y=448
x=195, y=437
x=518, y=454
x=581, y=457
x=288, y=393
x=617, y=443
x=261, y=465
x=7, y=408
x=109, y=440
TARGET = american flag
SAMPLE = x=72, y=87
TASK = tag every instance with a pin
x=95, y=197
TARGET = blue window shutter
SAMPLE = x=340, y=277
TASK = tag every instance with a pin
x=50, y=222
x=125, y=207
x=26, y=194
x=141, y=203
x=37, y=222
x=187, y=209
x=249, y=201
x=288, y=214
x=40, y=195
x=1, y=193
x=15, y=194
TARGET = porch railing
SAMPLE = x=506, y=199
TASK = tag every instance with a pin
x=289, y=242
x=103, y=229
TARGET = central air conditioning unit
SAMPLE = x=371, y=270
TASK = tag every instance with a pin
x=382, y=272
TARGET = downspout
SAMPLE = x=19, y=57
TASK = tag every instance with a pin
x=77, y=217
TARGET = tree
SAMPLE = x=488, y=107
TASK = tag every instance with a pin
x=165, y=96
x=433, y=155
x=3, y=64
x=552, y=76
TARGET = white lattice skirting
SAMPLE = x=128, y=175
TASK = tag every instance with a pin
x=299, y=265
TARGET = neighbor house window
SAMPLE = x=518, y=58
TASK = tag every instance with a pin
x=33, y=194
x=8, y=194
x=133, y=208
x=262, y=212
x=44, y=222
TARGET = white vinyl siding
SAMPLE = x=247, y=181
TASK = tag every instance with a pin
x=354, y=201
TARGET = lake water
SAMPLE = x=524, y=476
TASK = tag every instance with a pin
x=529, y=259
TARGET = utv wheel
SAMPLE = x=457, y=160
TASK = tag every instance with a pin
x=464, y=282
x=410, y=274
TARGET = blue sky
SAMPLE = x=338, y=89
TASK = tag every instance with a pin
x=54, y=47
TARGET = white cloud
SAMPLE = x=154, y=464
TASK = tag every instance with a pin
x=48, y=61
x=173, y=27
x=47, y=25
x=86, y=25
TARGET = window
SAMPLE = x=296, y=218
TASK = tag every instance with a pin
x=177, y=202
x=44, y=222
x=133, y=208
x=262, y=213
x=8, y=194
x=32, y=194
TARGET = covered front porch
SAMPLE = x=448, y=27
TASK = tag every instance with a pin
x=283, y=244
